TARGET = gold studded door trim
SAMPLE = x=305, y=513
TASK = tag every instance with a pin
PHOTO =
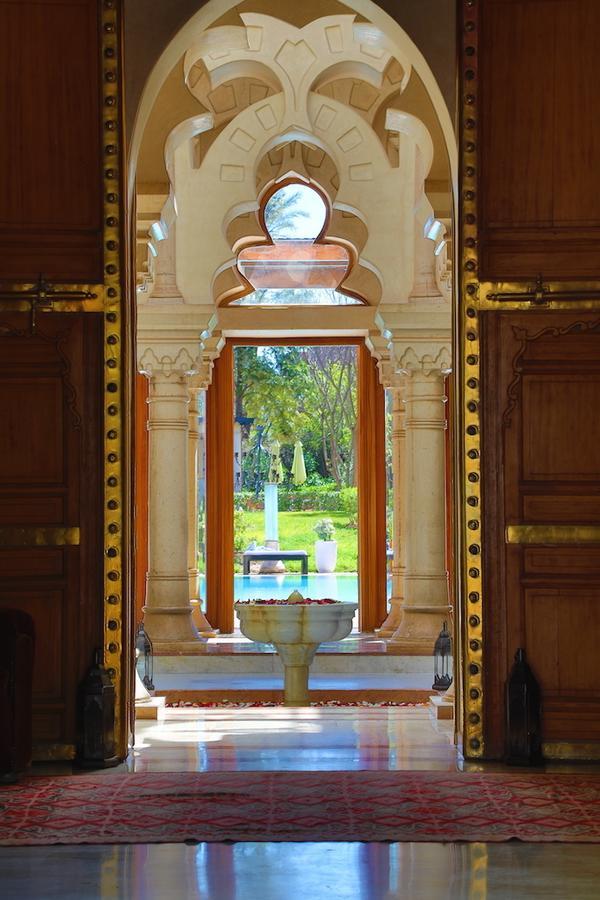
x=469, y=446
x=114, y=419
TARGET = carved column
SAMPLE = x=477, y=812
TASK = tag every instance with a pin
x=164, y=285
x=399, y=505
x=168, y=614
x=200, y=620
x=425, y=603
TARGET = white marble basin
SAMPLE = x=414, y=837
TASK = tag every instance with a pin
x=296, y=630
x=296, y=623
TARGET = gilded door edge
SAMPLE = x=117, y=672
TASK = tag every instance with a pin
x=116, y=366
x=108, y=298
x=475, y=296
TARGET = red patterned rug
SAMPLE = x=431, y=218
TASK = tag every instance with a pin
x=300, y=806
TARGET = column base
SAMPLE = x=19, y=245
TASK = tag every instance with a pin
x=171, y=628
x=419, y=629
x=392, y=622
x=204, y=627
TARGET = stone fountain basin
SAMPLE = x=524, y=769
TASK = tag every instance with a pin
x=296, y=623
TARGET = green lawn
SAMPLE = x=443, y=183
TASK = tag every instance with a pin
x=296, y=533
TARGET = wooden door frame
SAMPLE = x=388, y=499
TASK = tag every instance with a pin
x=372, y=487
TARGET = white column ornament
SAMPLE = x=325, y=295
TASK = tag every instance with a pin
x=425, y=602
x=164, y=286
x=168, y=613
x=202, y=624
x=398, y=436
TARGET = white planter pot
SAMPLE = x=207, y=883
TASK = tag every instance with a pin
x=326, y=555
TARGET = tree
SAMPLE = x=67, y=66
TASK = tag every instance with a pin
x=333, y=375
x=302, y=392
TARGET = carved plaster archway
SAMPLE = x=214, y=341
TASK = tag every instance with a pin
x=302, y=97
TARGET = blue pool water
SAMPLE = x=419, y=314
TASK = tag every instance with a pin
x=339, y=587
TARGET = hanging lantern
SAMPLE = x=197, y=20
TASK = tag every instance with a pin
x=523, y=715
x=96, y=744
x=143, y=652
x=442, y=652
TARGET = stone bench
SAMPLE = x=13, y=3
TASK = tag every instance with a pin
x=264, y=555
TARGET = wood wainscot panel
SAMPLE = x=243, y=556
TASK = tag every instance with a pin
x=51, y=507
x=560, y=434
x=36, y=509
x=570, y=508
x=538, y=179
x=51, y=194
x=565, y=562
x=542, y=466
x=20, y=562
x=32, y=445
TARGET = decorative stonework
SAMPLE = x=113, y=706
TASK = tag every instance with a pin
x=436, y=360
x=288, y=87
x=181, y=363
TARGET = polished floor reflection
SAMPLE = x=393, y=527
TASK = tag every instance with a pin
x=341, y=871
x=280, y=739
x=275, y=738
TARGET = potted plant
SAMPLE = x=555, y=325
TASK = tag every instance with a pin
x=326, y=546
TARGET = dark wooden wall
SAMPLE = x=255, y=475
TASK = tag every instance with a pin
x=530, y=192
x=51, y=378
x=50, y=152
x=539, y=139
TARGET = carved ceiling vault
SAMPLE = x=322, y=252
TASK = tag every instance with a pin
x=332, y=104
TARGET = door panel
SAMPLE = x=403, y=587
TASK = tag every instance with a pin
x=50, y=207
x=50, y=485
x=540, y=183
x=542, y=381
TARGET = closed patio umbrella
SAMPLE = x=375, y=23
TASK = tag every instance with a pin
x=298, y=467
x=276, y=470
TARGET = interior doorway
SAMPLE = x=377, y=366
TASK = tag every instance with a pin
x=369, y=476
x=385, y=170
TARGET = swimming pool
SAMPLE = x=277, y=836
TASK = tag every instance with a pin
x=340, y=587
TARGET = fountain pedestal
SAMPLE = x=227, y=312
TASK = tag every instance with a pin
x=295, y=630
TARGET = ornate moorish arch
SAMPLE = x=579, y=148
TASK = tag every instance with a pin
x=307, y=88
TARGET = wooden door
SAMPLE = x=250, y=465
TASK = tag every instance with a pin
x=50, y=493
x=529, y=341
x=63, y=386
x=541, y=425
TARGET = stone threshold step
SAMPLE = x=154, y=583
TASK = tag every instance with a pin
x=275, y=695
x=270, y=664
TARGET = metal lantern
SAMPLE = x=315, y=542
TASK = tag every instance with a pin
x=96, y=744
x=441, y=654
x=523, y=715
x=143, y=651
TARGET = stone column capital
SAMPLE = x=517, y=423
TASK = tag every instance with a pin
x=418, y=338
x=423, y=359
x=172, y=341
x=169, y=361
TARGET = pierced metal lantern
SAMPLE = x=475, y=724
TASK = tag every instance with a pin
x=143, y=652
x=96, y=713
x=442, y=652
x=523, y=715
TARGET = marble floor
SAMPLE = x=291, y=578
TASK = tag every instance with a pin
x=303, y=739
